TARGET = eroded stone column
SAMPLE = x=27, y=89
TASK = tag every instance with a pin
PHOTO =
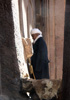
x=59, y=36
x=52, y=37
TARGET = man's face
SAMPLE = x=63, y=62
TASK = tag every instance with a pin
x=34, y=36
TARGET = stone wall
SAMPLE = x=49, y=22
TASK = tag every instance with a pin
x=9, y=67
x=27, y=16
x=56, y=37
x=18, y=39
x=66, y=58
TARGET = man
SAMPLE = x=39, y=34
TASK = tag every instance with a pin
x=39, y=60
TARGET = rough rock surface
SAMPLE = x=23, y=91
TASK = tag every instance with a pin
x=45, y=89
x=9, y=69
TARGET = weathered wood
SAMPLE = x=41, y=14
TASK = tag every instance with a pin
x=44, y=88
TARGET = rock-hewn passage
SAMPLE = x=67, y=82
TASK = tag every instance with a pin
x=44, y=89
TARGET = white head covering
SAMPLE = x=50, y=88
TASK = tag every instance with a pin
x=35, y=31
